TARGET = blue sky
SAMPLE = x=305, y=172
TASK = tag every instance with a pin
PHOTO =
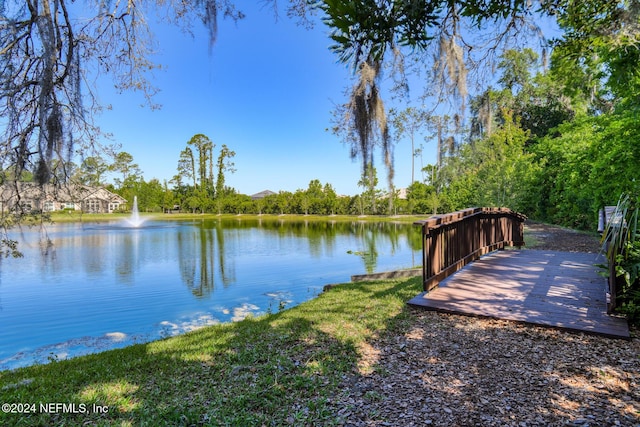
x=266, y=90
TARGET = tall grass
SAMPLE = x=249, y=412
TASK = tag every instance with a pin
x=622, y=244
x=622, y=228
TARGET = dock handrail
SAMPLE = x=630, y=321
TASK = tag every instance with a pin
x=451, y=241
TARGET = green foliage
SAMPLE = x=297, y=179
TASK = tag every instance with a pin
x=9, y=248
x=195, y=188
x=202, y=165
x=516, y=68
x=575, y=163
x=624, y=77
x=224, y=165
x=598, y=54
x=615, y=156
x=562, y=187
x=92, y=171
x=482, y=10
x=494, y=171
x=123, y=164
x=366, y=29
x=622, y=239
x=628, y=268
x=571, y=163
x=369, y=183
x=587, y=165
x=535, y=99
x=502, y=166
x=421, y=198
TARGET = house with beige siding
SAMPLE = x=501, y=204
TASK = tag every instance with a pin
x=27, y=196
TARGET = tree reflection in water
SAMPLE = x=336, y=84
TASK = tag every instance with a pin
x=102, y=280
x=200, y=246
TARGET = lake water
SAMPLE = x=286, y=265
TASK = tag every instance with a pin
x=105, y=285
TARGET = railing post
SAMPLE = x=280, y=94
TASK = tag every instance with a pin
x=613, y=282
x=436, y=252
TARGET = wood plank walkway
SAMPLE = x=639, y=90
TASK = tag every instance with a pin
x=550, y=288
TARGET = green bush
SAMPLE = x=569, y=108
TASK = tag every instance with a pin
x=623, y=241
x=628, y=267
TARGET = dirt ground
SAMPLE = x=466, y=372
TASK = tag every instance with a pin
x=555, y=238
x=452, y=370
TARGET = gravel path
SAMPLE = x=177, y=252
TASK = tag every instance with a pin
x=451, y=370
x=554, y=238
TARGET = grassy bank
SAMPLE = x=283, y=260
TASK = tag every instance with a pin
x=281, y=368
x=69, y=216
x=73, y=216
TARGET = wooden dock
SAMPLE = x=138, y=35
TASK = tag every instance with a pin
x=550, y=288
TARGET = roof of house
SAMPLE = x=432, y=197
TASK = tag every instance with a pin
x=262, y=194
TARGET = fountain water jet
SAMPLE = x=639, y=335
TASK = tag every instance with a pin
x=134, y=220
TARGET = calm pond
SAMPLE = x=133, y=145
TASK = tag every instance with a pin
x=107, y=285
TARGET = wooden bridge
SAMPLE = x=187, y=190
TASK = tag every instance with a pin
x=463, y=273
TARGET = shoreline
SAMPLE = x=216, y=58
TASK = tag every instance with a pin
x=87, y=217
x=89, y=345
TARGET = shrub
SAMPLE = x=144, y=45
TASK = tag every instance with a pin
x=623, y=240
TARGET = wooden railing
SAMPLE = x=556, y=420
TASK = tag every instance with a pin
x=450, y=241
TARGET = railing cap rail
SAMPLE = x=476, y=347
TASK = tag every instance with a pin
x=436, y=221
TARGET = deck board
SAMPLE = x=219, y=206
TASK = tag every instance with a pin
x=550, y=288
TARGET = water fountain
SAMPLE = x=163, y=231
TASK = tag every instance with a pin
x=134, y=220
